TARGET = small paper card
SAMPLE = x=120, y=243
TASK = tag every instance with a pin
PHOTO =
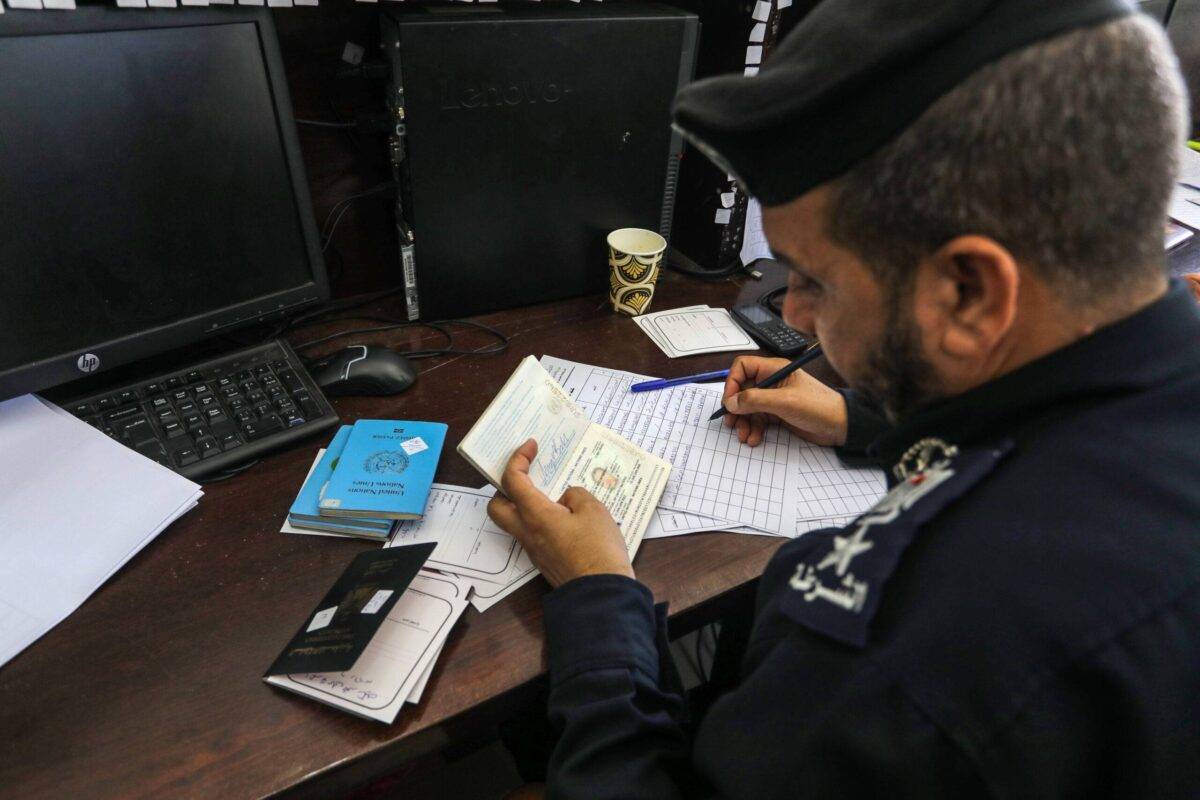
x=334, y=635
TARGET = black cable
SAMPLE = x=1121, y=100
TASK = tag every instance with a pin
x=320, y=123
x=340, y=208
x=392, y=324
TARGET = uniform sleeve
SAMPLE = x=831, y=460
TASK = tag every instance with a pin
x=612, y=693
x=864, y=424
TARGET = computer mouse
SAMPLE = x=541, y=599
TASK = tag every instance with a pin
x=363, y=370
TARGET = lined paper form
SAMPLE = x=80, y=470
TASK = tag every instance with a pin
x=777, y=486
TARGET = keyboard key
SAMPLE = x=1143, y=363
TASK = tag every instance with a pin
x=309, y=406
x=263, y=409
x=127, y=396
x=291, y=419
x=159, y=404
x=153, y=388
x=231, y=391
x=224, y=381
x=193, y=421
x=271, y=423
x=245, y=415
x=187, y=407
x=124, y=413
x=207, y=447
x=237, y=403
x=276, y=391
x=262, y=369
x=136, y=431
x=256, y=397
x=201, y=390
x=81, y=409
x=181, y=395
x=216, y=414
x=153, y=450
x=194, y=377
x=173, y=430
x=291, y=380
x=172, y=383
x=250, y=386
x=230, y=441
x=245, y=375
x=106, y=404
x=252, y=431
x=208, y=401
x=186, y=456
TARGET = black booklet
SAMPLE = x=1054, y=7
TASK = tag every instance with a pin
x=334, y=635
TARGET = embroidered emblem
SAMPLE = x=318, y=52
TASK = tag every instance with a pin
x=852, y=593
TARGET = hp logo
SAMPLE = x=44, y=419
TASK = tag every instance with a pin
x=88, y=362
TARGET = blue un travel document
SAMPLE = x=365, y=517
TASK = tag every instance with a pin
x=385, y=470
x=305, y=512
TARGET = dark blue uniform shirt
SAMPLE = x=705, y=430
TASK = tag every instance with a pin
x=1022, y=620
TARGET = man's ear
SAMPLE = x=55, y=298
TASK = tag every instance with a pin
x=968, y=290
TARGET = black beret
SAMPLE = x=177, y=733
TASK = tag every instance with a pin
x=853, y=75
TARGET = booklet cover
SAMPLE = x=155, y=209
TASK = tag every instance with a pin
x=341, y=626
x=385, y=470
x=305, y=511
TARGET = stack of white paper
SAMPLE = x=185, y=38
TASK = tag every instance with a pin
x=694, y=330
x=75, y=506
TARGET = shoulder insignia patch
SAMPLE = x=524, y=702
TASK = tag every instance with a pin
x=836, y=585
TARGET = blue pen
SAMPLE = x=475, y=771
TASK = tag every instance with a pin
x=649, y=386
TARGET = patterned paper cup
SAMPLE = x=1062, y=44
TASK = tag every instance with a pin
x=634, y=257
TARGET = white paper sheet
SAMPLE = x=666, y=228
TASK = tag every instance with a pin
x=398, y=658
x=75, y=506
x=1189, y=173
x=754, y=241
x=695, y=330
x=468, y=542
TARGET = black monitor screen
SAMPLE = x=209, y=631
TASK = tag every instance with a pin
x=143, y=181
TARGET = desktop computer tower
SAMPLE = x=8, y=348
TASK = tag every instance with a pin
x=522, y=136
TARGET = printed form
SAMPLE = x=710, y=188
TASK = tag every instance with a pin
x=782, y=486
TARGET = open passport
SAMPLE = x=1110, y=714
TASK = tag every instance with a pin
x=572, y=450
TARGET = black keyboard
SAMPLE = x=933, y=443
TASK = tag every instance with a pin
x=215, y=415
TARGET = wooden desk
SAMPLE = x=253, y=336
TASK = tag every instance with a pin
x=152, y=688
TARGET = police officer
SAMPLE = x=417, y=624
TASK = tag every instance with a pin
x=970, y=196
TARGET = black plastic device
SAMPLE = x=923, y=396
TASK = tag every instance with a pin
x=524, y=135
x=769, y=330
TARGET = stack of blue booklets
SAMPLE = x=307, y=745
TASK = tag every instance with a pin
x=373, y=473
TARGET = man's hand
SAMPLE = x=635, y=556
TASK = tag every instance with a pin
x=569, y=539
x=809, y=408
x=1193, y=281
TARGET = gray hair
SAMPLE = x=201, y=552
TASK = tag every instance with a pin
x=1064, y=152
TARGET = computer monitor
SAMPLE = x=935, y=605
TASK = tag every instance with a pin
x=151, y=188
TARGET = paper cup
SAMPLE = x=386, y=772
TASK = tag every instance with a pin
x=634, y=258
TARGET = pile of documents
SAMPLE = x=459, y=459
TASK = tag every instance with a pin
x=75, y=506
x=694, y=330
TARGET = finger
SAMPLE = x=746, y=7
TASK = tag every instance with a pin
x=504, y=513
x=743, y=428
x=764, y=401
x=758, y=424
x=515, y=479
x=577, y=498
x=749, y=370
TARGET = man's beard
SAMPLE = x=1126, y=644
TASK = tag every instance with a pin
x=897, y=377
